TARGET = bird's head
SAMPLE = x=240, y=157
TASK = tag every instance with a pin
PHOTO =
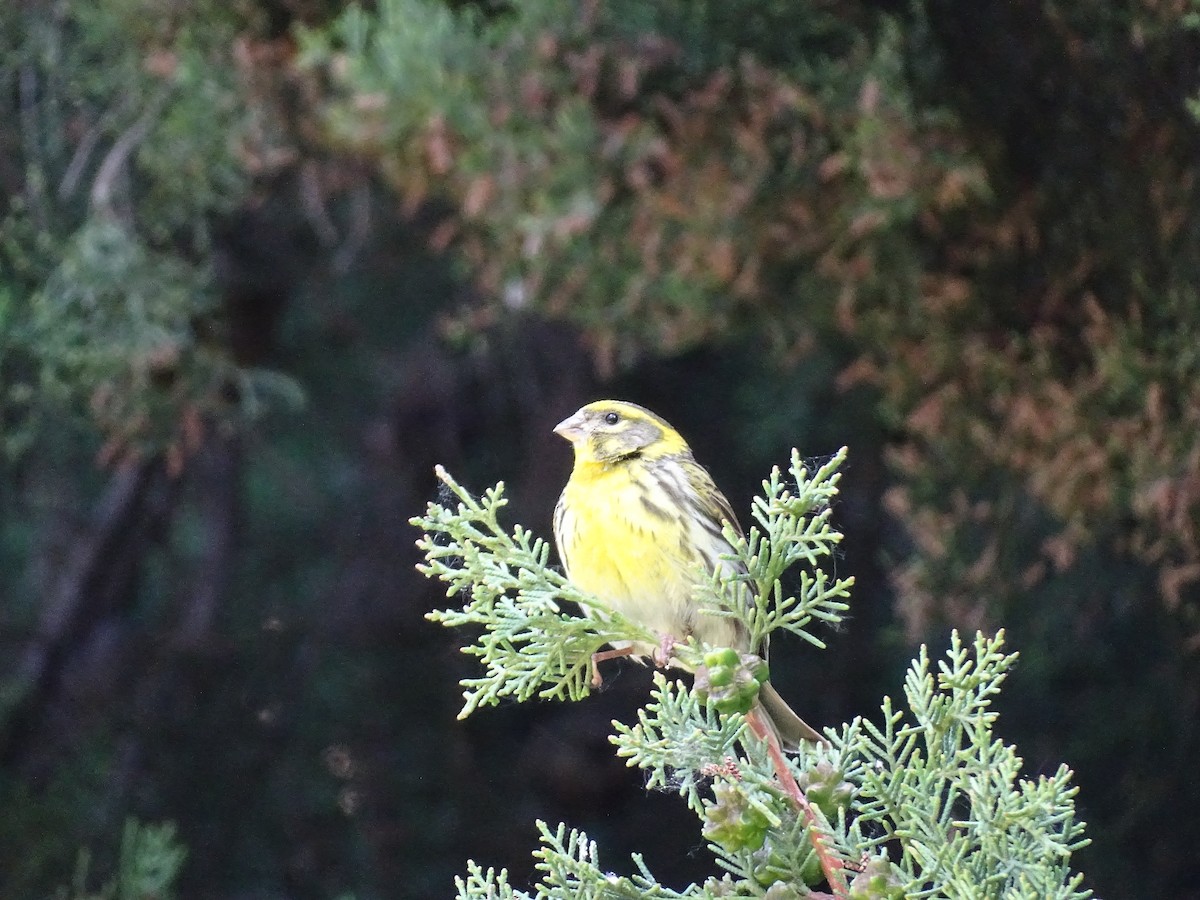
x=610, y=430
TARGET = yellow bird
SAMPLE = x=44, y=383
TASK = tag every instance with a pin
x=639, y=525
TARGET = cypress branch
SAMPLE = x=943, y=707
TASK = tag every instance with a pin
x=922, y=801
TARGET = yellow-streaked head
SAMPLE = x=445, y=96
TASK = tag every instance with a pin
x=609, y=430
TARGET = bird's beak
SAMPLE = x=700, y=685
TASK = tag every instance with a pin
x=571, y=428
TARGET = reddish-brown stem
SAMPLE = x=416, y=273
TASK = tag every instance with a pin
x=831, y=866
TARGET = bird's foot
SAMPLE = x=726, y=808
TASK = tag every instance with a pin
x=600, y=657
x=665, y=651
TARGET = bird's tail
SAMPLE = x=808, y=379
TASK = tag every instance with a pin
x=789, y=727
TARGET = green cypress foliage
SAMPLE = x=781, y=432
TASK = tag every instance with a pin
x=921, y=799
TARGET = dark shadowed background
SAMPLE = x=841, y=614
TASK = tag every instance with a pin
x=264, y=264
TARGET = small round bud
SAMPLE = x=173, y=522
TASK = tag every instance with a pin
x=877, y=881
x=772, y=866
x=782, y=891
x=729, y=681
x=825, y=788
x=730, y=820
x=721, y=657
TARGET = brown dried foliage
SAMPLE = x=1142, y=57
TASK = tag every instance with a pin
x=659, y=213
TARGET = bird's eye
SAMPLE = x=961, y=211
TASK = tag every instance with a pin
x=612, y=418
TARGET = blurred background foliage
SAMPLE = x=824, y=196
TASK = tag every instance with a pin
x=263, y=263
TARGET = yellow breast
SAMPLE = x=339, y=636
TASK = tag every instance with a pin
x=622, y=539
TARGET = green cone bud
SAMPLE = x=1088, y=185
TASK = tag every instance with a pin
x=782, y=891
x=729, y=681
x=825, y=788
x=773, y=867
x=730, y=820
x=877, y=881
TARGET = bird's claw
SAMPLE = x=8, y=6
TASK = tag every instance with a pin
x=665, y=651
x=601, y=656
